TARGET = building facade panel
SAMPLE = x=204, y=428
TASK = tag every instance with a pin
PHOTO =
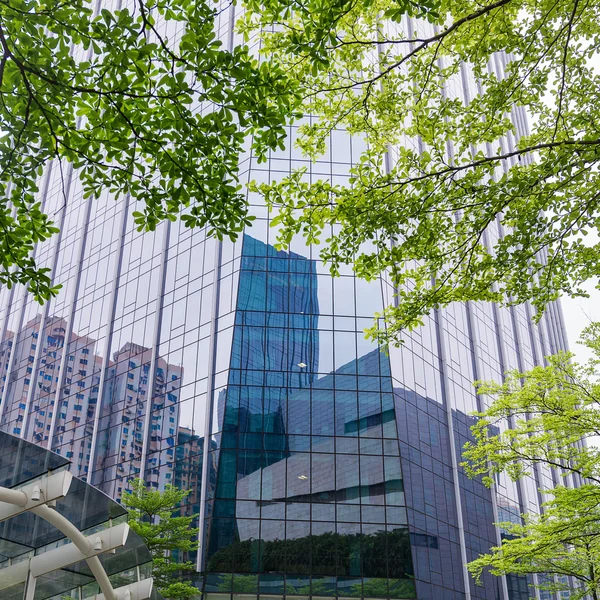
x=317, y=464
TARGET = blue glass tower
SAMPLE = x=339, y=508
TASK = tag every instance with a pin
x=309, y=492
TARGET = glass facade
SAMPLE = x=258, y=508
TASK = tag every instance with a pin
x=318, y=465
x=309, y=496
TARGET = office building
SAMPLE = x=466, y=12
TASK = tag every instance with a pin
x=318, y=465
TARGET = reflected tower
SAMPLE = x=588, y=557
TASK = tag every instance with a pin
x=309, y=493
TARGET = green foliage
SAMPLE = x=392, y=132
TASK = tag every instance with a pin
x=551, y=410
x=371, y=588
x=335, y=551
x=436, y=200
x=153, y=516
x=135, y=112
x=385, y=588
x=243, y=584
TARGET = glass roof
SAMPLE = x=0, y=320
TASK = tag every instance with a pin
x=21, y=460
x=120, y=567
x=84, y=506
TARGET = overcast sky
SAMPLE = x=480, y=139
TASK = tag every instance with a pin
x=579, y=312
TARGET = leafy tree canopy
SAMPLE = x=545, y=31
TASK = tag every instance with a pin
x=153, y=516
x=447, y=198
x=551, y=410
x=160, y=116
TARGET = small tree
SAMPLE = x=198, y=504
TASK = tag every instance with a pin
x=562, y=542
x=552, y=410
x=152, y=516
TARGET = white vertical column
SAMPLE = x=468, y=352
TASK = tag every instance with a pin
x=112, y=303
x=72, y=307
x=147, y=428
x=477, y=371
x=208, y=418
x=210, y=385
x=447, y=394
x=3, y=326
x=80, y=253
x=477, y=361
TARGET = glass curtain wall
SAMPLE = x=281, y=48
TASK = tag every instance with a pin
x=317, y=465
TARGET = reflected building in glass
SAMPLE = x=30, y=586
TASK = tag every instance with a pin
x=318, y=465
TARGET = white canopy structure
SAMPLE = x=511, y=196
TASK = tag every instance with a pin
x=60, y=536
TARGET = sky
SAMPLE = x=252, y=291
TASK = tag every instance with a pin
x=579, y=312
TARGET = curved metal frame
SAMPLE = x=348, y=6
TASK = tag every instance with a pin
x=83, y=545
x=39, y=497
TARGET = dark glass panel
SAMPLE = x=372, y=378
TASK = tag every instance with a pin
x=325, y=543
x=224, y=508
x=322, y=412
x=270, y=583
x=272, y=510
x=375, y=587
x=349, y=549
x=218, y=582
x=323, y=586
x=297, y=585
x=298, y=547
x=349, y=587
x=399, y=553
x=245, y=584
x=247, y=556
x=402, y=588
x=298, y=511
x=323, y=512
x=346, y=413
x=226, y=478
x=222, y=534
